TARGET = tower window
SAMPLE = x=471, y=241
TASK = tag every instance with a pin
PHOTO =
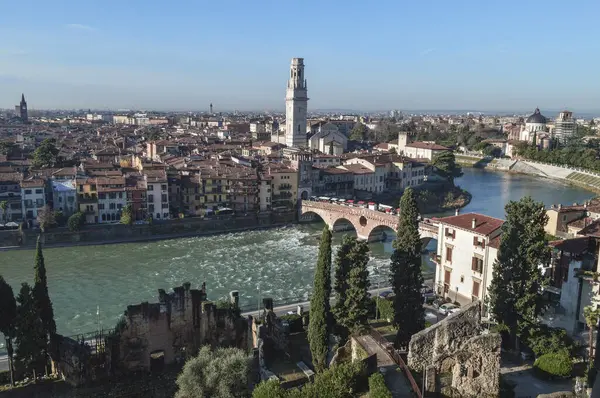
x=298, y=129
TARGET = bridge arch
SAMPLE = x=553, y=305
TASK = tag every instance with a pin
x=382, y=233
x=343, y=224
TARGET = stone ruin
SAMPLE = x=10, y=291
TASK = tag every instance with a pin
x=457, y=357
x=158, y=334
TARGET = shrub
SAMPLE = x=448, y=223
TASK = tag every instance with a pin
x=544, y=340
x=377, y=387
x=76, y=221
x=554, y=365
x=269, y=389
x=386, y=309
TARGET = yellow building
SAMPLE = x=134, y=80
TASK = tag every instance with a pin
x=192, y=196
x=284, y=186
x=87, y=199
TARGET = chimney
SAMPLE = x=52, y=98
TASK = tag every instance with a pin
x=456, y=212
x=474, y=223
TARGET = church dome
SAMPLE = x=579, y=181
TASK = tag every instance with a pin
x=536, y=117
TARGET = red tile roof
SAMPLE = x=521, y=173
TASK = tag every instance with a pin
x=427, y=145
x=484, y=225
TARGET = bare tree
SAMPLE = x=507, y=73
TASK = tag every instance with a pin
x=46, y=218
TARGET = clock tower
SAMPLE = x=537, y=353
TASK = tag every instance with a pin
x=296, y=101
x=23, y=109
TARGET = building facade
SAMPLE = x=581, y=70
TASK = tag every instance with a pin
x=466, y=251
x=565, y=126
x=296, y=103
x=157, y=194
x=33, y=198
x=64, y=197
x=112, y=198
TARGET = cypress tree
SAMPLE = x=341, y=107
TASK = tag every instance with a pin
x=354, y=312
x=30, y=338
x=516, y=278
x=405, y=268
x=8, y=318
x=318, y=327
x=341, y=274
x=40, y=292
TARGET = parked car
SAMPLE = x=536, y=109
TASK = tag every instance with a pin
x=445, y=309
x=453, y=310
x=386, y=294
x=438, y=302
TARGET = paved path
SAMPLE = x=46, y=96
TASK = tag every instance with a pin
x=394, y=378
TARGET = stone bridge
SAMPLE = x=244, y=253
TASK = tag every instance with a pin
x=369, y=224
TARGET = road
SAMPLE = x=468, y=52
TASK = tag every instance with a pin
x=430, y=315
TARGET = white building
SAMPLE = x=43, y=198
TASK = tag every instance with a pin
x=33, y=198
x=64, y=197
x=296, y=102
x=534, y=124
x=371, y=181
x=264, y=193
x=466, y=251
x=157, y=194
x=419, y=149
x=328, y=139
x=564, y=126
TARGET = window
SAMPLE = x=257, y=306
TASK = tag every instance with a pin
x=28, y=192
x=475, y=294
x=112, y=206
x=450, y=233
x=119, y=206
x=164, y=198
x=165, y=205
x=477, y=264
x=80, y=188
x=477, y=242
x=163, y=187
x=100, y=206
x=150, y=187
x=39, y=191
x=151, y=208
x=165, y=215
x=449, y=254
x=150, y=198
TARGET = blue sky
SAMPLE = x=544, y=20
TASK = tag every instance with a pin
x=182, y=55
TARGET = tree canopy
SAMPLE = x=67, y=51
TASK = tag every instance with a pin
x=352, y=297
x=127, y=215
x=40, y=293
x=446, y=166
x=514, y=294
x=359, y=132
x=8, y=318
x=220, y=373
x=406, y=278
x=29, y=337
x=319, y=322
x=46, y=154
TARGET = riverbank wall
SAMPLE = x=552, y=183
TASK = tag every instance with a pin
x=587, y=179
x=120, y=233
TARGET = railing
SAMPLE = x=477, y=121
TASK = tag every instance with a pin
x=387, y=346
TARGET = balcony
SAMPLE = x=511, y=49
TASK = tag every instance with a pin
x=87, y=198
x=285, y=187
x=283, y=195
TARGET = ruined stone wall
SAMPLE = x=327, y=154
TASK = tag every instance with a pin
x=458, y=346
x=178, y=325
x=427, y=346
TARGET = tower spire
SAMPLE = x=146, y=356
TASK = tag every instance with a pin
x=296, y=106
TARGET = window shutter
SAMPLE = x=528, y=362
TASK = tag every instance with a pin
x=483, y=243
x=454, y=234
x=447, y=233
x=475, y=241
x=473, y=263
x=475, y=289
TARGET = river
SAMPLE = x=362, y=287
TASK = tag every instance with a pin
x=278, y=263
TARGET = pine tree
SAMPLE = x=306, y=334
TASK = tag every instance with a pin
x=406, y=278
x=40, y=293
x=318, y=327
x=8, y=318
x=29, y=337
x=354, y=312
x=516, y=278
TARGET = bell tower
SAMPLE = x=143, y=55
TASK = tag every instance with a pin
x=23, y=109
x=296, y=102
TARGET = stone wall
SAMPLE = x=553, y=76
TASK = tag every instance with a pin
x=109, y=233
x=458, y=346
x=158, y=334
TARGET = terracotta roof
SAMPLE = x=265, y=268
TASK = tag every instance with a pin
x=357, y=169
x=574, y=246
x=427, y=145
x=495, y=242
x=484, y=225
x=592, y=229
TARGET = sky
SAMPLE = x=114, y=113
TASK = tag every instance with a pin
x=407, y=55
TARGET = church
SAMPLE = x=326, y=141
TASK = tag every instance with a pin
x=328, y=139
x=535, y=124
